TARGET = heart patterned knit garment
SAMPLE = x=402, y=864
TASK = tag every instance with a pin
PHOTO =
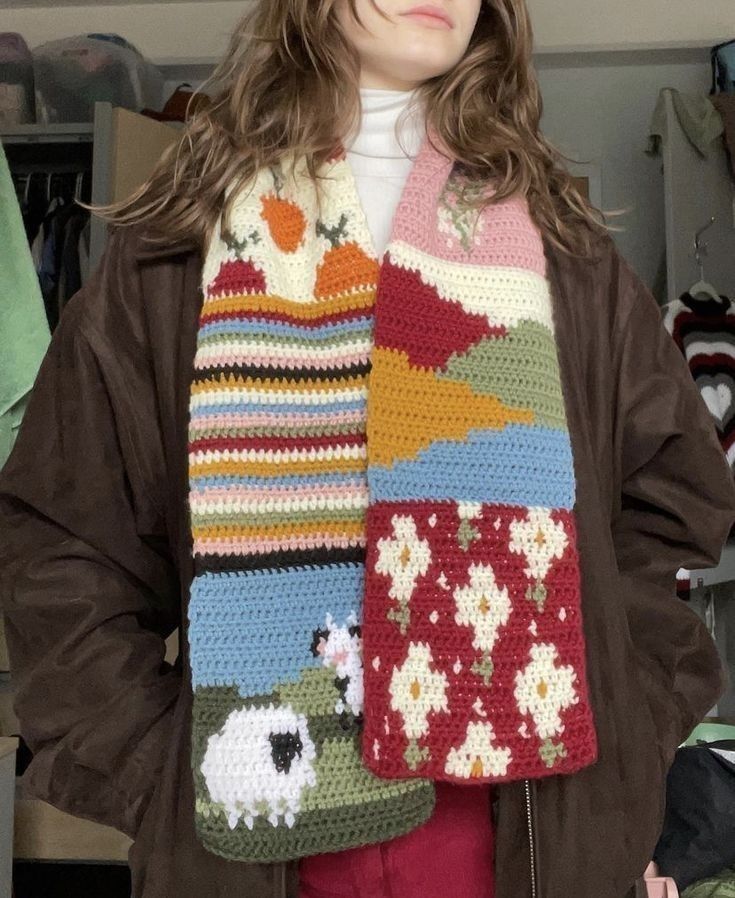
x=386, y=584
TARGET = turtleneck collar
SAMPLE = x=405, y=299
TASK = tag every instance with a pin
x=379, y=136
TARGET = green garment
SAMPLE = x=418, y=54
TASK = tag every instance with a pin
x=24, y=332
x=722, y=886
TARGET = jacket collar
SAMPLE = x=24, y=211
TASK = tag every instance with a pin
x=149, y=250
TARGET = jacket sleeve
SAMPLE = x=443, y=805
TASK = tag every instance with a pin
x=676, y=503
x=87, y=582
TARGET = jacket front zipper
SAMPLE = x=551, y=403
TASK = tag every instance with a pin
x=532, y=845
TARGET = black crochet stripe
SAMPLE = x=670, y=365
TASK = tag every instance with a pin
x=258, y=372
x=283, y=558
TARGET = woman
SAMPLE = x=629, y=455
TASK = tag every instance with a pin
x=423, y=416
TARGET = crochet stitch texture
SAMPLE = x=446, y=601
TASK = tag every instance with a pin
x=424, y=525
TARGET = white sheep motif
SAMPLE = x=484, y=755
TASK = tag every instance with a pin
x=259, y=765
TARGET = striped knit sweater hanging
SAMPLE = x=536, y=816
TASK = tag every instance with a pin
x=380, y=471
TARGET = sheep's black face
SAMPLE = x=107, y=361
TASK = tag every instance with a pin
x=284, y=748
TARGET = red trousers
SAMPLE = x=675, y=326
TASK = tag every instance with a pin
x=450, y=856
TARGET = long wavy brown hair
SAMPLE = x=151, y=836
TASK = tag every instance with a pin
x=289, y=83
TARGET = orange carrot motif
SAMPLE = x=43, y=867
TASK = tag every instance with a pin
x=344, y=269
x=346, y=266
x=286, y=221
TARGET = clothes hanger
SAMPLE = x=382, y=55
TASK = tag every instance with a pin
x=703, y=287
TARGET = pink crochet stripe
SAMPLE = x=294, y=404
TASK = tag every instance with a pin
x=243, y=546
x=270, y=419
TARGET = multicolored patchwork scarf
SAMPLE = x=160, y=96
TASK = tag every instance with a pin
x=380, y=471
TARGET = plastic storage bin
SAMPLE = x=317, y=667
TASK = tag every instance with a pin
x=73, y=74
x=17, y=102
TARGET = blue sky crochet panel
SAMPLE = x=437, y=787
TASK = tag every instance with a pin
x=277, y=718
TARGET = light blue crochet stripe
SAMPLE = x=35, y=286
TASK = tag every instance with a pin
x=291, y=408
x=519, y=465
x=255, y=629
x=259, y=326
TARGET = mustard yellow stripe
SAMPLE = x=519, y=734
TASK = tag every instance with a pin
x=327, y=528
x=280, y=469
x=277, y=385
x=363, y=299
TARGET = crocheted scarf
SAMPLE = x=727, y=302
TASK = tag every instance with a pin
x=380, y=472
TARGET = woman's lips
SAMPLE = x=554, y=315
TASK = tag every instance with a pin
x=430, y=16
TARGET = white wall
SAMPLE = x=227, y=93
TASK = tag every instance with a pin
x=601, y=114
x=565, y=23
x=200, y=29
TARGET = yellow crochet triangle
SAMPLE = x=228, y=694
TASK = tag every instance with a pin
x=409, y=408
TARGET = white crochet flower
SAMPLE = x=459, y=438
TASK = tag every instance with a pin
x=404, y=558
x=416, y=690
x=540, y=539
x=544, y=690
x=477, y=757
x=482, y=606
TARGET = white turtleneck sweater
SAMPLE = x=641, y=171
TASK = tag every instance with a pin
x=381, y=156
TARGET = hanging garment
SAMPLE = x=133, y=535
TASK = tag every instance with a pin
x=723, y=67
x=704, y=330
x=725, y=105
x=24, y=333
x=475, y=661
x=48, y=267
x=83, y=248
x=34, y=206
x=699, y=120
x=70, y=261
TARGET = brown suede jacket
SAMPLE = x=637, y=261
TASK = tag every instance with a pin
x=95, y=555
